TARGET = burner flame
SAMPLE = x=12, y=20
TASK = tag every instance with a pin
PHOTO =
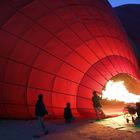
x=118, y=92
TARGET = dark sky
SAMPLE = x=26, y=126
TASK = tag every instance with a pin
x=115, y=3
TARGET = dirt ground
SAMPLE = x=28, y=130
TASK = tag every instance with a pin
x=58, y=130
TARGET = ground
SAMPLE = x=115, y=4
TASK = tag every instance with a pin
x=78, y=130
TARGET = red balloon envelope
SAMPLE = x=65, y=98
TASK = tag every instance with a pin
x=63, y=49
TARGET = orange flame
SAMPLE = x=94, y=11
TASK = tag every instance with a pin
x=118, y=92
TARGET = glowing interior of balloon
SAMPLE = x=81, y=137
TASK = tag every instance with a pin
x=118, y=92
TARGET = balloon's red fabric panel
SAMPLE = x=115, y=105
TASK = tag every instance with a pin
x=119, y=60
x=51, y=48
x=54, y=4
x=115, y=63
x=96, y=49
x=3, y=64
x=96, y=74
x=47, y=62
x=38, y=7
x=78, y=62
x=16, y=73
x=81, y=31
x=40, y=39
x=18, y=20
x=65, y=86
x=107, y=62
x=84, y=106
x=61, y=49
x=12, y=109
x=8, y=44
x=103, y=69
x=54, y=24
x=24, y=48
x=41, y=80
x=90, y=82
x=112, y=43
x=68, y=72
x=57, y=97
x=85, y=92
x=104, y=46
x=59, y=103
x=69, y=38
x=66, y=16
x=2, y=111
x=86, y=52
x=14, y=94
x=1, y=88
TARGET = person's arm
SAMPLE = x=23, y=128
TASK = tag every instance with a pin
x=71, y=113
x=43, y=108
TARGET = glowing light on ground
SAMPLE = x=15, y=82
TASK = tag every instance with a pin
x=118, y=92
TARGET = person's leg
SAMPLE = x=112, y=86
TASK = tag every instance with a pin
x=102, y=112
x=37, y=124
x=68, y=120
x=41, y=123
x=97, y=113
x=71, y=119
x=43, y=126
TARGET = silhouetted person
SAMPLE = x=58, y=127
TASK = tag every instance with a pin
x=68, y=114
x=138, y=109
x=40, y=112
x=137, y=121
x=97, y=105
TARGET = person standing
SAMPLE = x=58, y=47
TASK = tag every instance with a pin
x=137, y=120
x=40, y=112
x=97, y=105
x=68, y=114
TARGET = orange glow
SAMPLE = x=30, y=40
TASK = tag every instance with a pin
x=118, y=92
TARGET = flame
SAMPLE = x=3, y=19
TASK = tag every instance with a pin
x=118, y=92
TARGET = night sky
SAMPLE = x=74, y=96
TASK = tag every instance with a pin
x=115, y=3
